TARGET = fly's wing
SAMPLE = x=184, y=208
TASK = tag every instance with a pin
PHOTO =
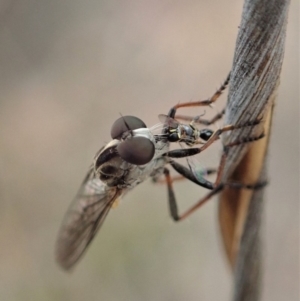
x=84, y=217
x=168, y=121
x=195, y=167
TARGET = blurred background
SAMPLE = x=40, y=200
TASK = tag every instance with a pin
x=67, y=71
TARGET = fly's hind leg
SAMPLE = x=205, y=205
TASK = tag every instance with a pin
x=215, y=187
x=172, y=199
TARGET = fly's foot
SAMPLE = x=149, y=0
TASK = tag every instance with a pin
x=237, y=185
x=243, y=141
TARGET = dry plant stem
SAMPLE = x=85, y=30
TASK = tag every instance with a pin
x=254, y=78
x=234, y=203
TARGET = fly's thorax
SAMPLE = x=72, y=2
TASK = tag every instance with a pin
x=187, y=131
x=139, y=173
x=143, y=132
x=188, y=134
x=112, y=168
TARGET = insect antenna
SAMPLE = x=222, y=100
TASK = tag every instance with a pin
x=126, y=124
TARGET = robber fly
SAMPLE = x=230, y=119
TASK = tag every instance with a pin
x=134, y=154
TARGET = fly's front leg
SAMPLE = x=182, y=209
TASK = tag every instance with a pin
x=216, y=135
x=206, y=102
x=206, y=122
x=225, y=153
x=181, y=153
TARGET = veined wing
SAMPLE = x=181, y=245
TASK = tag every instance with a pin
x=83, y=219
x=168, y=121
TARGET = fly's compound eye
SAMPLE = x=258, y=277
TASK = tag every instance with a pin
x=137, y=150
x=125, y=124
x=205, y=134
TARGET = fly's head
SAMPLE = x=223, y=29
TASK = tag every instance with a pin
x=136, y=141
x=132, y=145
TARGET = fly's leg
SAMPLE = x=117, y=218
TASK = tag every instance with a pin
x=172, y=199
x=206, y=122
x=177, y=178
x=225, y=153
x=206, y=102
x=181, y=153
x=188, y=174
x=171, y=196
x=216, y=189
x=173, y=206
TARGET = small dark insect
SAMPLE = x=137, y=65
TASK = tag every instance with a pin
x=133, y=155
